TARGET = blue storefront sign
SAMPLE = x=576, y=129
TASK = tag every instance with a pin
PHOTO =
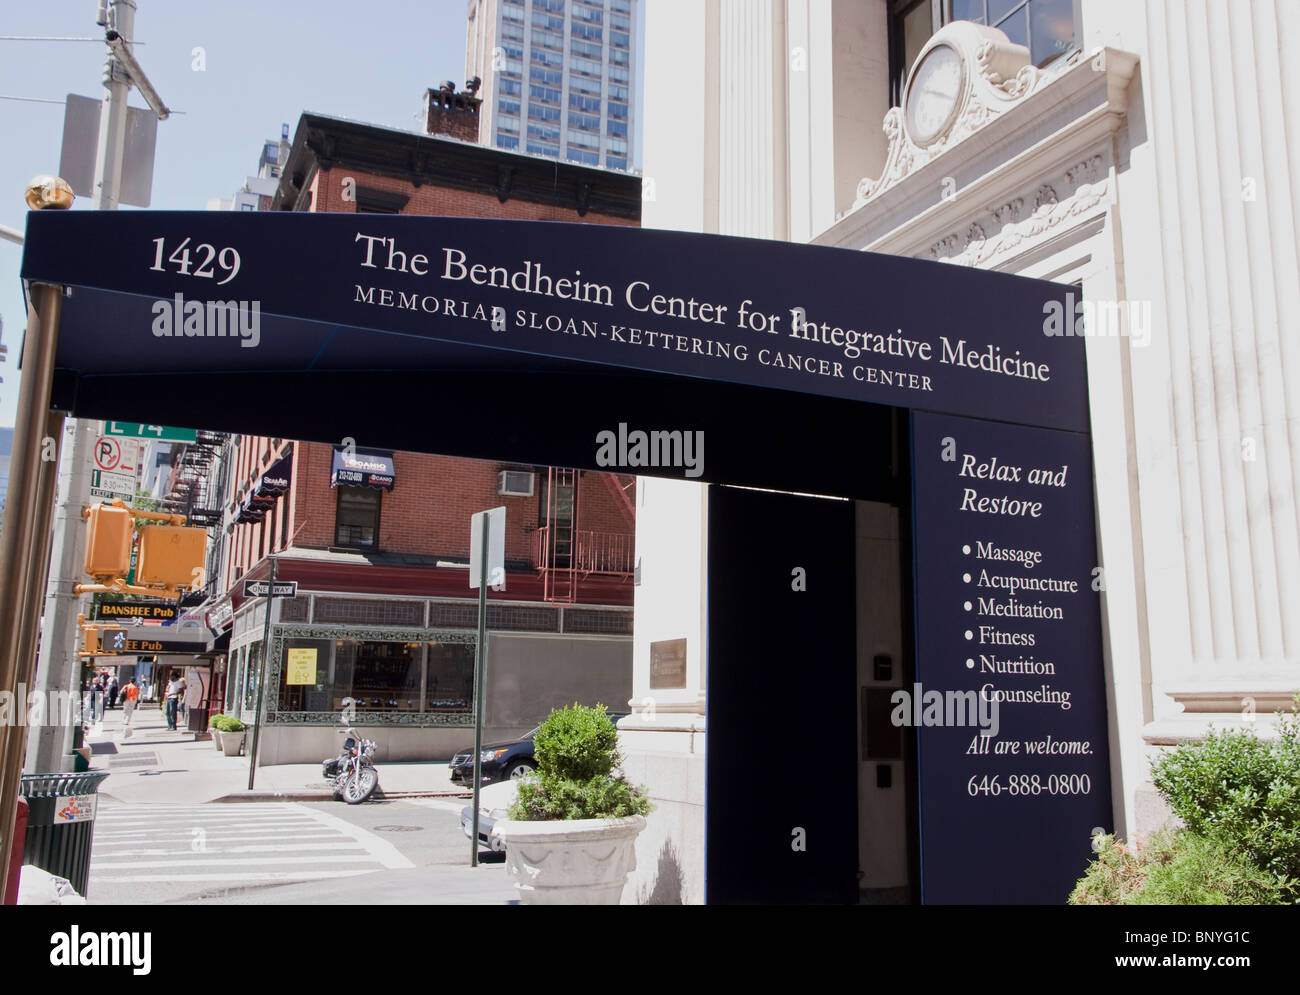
x=314, y=293
x=1009, y=698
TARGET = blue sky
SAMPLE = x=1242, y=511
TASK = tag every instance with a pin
x=266, y=63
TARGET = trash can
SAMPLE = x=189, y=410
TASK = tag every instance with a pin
x=61, y=823
x=196, y=720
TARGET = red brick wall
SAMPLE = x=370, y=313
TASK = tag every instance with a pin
x=427, y=512
x=327, y=195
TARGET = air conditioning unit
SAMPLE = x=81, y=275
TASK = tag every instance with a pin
x=515, y=483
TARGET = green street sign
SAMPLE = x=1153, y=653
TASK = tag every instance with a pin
x=160, y=433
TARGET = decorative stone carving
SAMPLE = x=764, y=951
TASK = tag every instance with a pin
x=998, y=75
x=1006, y=213
x=1048, y=213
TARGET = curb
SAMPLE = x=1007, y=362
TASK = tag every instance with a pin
x=325, y=796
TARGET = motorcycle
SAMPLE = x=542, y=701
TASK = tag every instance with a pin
x=352, y=773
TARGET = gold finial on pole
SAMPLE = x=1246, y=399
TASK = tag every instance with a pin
x=47, y=191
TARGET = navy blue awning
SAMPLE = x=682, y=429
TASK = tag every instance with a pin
x=308, y=299
x=362, y=469
x=273, y=483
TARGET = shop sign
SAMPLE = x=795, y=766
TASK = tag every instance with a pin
x=1008, y=700
x=300, y=666
x=151, y=610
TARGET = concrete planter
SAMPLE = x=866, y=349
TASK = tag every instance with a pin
x=575, y=862
x=232, y=743
x=216, y=738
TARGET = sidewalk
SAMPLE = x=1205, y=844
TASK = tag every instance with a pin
x=157, y=765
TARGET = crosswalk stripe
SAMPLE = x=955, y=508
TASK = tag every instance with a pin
x=252, y=848
x=125, y=839
x=198, y=859
x=259, y=876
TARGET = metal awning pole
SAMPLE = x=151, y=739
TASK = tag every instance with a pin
x=22, y=550
x=34, y=598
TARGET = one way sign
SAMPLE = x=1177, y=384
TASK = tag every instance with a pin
x=280, y=589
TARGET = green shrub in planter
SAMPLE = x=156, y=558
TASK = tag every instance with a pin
x=1175, y=867
x=1243, y=790
x=226, y=723
x=578, y=774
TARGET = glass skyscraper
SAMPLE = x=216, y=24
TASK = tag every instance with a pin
x=557, y=77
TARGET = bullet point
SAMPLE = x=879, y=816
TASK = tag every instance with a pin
x=965, y=578
x=969, y=634
x=966, y=550
x=966, y=606
x=970, y=664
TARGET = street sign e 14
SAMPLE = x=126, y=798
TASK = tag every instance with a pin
x=159, y=433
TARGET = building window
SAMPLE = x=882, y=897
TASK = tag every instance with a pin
x=356, y=523
x=1048, y=28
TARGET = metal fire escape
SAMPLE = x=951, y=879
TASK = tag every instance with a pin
x=192, y=490
x=557, y=562
x=565, y=552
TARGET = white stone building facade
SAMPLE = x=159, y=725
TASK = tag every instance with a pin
x=1154, y=167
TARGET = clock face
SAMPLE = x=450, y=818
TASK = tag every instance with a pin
x=934, y=94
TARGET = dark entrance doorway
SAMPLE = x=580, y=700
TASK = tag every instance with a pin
x=782, y=810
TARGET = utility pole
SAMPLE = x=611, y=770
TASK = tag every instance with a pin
x=58, y=666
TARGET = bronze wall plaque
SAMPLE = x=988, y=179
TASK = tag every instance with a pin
x=668, y=664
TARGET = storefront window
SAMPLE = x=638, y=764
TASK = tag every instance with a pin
x=450, y=683
x=307, y=676
x=320, y=675
x=254, y=660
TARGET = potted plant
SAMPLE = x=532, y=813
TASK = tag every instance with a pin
x=571, y=833
x=232, y=735
x=214, y=727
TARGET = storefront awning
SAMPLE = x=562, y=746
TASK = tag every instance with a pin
x=362, y=469
x=273, y=483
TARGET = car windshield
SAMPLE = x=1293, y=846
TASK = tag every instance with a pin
x=531, y=733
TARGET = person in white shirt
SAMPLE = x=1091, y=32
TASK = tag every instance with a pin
x=173, y=690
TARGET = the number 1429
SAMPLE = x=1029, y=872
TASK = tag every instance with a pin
x=205, y=256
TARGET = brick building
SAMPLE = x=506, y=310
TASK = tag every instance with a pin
x=378, y=541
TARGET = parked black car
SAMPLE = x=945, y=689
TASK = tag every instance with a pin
x=502, y=761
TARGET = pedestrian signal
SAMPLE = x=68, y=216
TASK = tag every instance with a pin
x=170, y=555
x=108, y=541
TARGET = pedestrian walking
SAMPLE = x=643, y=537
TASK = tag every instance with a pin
x=182, y=706
x=129, y=695
x=170, y=699
x=113, y=692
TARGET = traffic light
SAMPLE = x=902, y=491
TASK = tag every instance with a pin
x=170, y=554
x=108, y=541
